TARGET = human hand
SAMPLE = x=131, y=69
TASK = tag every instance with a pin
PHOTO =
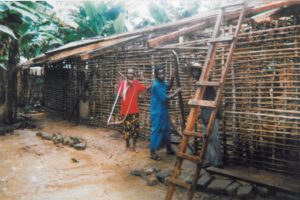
x=149, y=87
x=116, y=86
x=178, y=90
x=130, y=82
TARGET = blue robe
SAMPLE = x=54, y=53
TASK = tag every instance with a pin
x=160, y=130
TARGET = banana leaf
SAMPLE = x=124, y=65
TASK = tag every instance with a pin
x=8, y=31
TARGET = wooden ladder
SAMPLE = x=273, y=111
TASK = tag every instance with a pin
x=199, y=101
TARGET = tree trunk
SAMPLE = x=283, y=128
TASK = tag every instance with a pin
x=11, y=91
x=2, y=86
x=20, y=88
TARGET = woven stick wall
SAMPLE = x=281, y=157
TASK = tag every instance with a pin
x=104, y=72
x=261, y=115
x=62, y=86
x=260, y=124
x=32, y=87
x=63, y=83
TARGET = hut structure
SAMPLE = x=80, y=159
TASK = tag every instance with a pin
x=260, y=123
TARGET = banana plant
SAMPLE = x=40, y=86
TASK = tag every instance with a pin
x=166, y=11
x=22, y=34
x=96, y=19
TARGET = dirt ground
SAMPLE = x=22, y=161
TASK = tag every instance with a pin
x=32, y=168
x=35, y=169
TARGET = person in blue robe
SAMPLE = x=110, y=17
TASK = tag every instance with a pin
x=160, y=130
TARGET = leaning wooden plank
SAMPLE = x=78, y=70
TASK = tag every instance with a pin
x=98, y=51
x=39, y=59
x=170, y=36
x=89, y=48
x=76, y=51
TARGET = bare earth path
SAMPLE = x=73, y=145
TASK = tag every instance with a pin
x=32, y=168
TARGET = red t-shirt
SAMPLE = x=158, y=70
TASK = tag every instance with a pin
x=129, y=96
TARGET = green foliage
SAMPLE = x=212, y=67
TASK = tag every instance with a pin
x=118, y=25
x=189, y=10
x=25, y=13
x=158, y=13
x=39, y=41
x=97, y=20
x=7, y=30
x=3, y=7
x=166, y=11
x=94, y=19
x=2, y=66
x=3, y=61
x=33, y=24
x=38, y=29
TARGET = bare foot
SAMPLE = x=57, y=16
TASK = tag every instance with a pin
x=135, y=150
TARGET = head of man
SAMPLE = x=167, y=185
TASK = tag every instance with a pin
x=130, y=74
x=195, y=72
x=160, y=73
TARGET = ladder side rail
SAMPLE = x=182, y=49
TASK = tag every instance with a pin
x=209, y=62
x=212, y=118
x=212, y=46
x=222, y=83
x=193, y=115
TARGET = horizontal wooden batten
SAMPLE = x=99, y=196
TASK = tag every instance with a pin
x=221, y=39
x=193, y=134
x=195, y=159
x=208, y=83
x=113, y=44
x=170, y=36
x=180, y=183
x=77, y=51
x=202, y=103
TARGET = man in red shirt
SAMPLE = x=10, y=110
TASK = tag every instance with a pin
x=129, y=91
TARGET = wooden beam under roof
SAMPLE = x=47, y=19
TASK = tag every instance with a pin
x=39, y=59
x=117, y=43
x=170, y=36
x=85, y=49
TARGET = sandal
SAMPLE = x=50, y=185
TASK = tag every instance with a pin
x=134, y=150
x=170, y=150
x=154, y=156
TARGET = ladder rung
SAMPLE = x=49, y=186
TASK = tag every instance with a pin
x=192, y=158
x=221, y=39
x=180, y=183
x=192, y=133
x=228, y=5
x=203, y=103
x=208, y=83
